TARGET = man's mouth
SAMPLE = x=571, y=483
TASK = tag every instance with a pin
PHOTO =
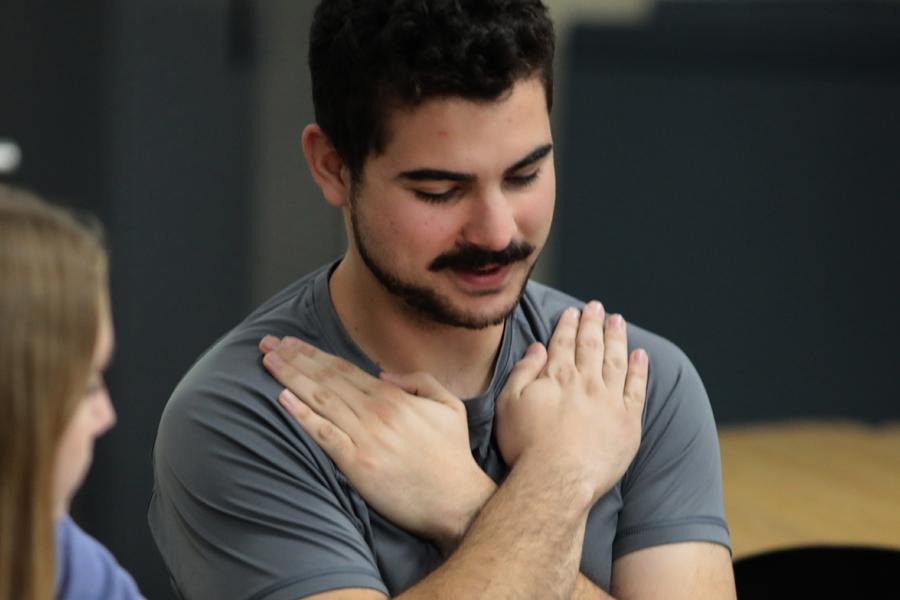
x=484, y=270
x=484, y=277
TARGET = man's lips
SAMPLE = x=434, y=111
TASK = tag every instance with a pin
x=485, y=277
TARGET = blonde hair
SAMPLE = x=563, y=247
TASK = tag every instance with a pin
x=52, y=274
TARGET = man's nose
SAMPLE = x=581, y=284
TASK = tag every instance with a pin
x=492, y=222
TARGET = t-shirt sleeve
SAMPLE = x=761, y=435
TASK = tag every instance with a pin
x=85, y=570
x=245, y=505
x=672, y=491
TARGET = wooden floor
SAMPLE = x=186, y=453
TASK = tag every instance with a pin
x=803, y=483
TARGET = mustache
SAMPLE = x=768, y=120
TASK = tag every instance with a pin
x=470, y=257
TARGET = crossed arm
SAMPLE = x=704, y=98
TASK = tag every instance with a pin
x=568, y=424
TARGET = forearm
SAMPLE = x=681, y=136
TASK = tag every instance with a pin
x=525, y=543
x=585, y=589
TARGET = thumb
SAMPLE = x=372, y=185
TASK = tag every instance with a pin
x=526, y=370
x=421, y=384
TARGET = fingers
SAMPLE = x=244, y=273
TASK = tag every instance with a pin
x=335, y=442
x=525, y=371
x=333, y=399
x=589, y=344
x=615, y=356
x=268, y=343
x=560, y=351
x=348, y=370
x=314, y=362
x=636, y=381
x=422, y=384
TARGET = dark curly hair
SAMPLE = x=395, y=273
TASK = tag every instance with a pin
x=369, y=57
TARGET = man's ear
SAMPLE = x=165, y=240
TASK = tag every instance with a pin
x=326, y=166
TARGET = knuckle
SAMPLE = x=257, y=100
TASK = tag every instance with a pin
x=325, y=431
x=323, y=396
x=589, y=343
x=564, y=373
x=367, y=460
x=324, y=373
x=593, y=386
x=615, y=360
x=385, y=412
x=566, y=342
x=342, y=366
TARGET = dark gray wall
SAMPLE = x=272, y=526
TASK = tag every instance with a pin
x=50, y=97
x=731, y=180
x=141, y=112
x=178, y=182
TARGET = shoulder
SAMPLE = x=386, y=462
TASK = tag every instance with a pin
x=235, y=467
x=672, y=378
x=225, y=407
x=541, y=306
x=229, y=374
x=86, y=569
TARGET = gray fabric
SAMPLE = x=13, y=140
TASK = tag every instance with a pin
x=245, y=505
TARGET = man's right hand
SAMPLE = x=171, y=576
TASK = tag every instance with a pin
x=578, y=404
x=403, y=441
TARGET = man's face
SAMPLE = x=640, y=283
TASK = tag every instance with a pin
x=452, y=215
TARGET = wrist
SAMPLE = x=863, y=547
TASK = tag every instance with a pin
x=564, y=475
x=462, y=513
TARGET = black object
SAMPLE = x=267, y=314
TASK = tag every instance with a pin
x=819, y=572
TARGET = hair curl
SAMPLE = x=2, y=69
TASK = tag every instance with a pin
x=369, y=57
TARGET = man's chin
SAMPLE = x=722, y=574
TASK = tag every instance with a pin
x=475, y=309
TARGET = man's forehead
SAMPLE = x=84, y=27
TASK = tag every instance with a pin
x=455, y=129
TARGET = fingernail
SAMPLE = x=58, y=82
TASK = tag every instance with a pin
x=272, y=359
x=291, y=402
x=269, y=342
x=571, y=313
x=533, y=350
x=616, y=321
x=640, y=357
x=593, y=308
x=285, y=397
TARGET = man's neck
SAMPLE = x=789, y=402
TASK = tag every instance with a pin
x=398, y=341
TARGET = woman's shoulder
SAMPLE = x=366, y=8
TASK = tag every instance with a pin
x=85, y=569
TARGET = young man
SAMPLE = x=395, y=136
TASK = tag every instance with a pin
x=575, y=471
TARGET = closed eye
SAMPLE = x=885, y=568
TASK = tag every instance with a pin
x=437, y=197
x=521, y=181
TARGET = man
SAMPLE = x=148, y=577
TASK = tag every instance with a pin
x=579, y=470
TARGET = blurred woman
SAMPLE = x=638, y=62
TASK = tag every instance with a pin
x=56, y=340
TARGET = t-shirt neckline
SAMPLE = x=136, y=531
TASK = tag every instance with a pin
x=479, y=408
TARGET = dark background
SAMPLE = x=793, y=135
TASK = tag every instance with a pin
x=731, y=180
x=728, y=177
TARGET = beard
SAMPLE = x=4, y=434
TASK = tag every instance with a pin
x=428, y=304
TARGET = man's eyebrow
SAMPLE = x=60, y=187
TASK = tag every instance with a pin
x=536, y=155
x=435, y=175
x=442, y=175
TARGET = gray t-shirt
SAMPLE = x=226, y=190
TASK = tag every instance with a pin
x=246, y=505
